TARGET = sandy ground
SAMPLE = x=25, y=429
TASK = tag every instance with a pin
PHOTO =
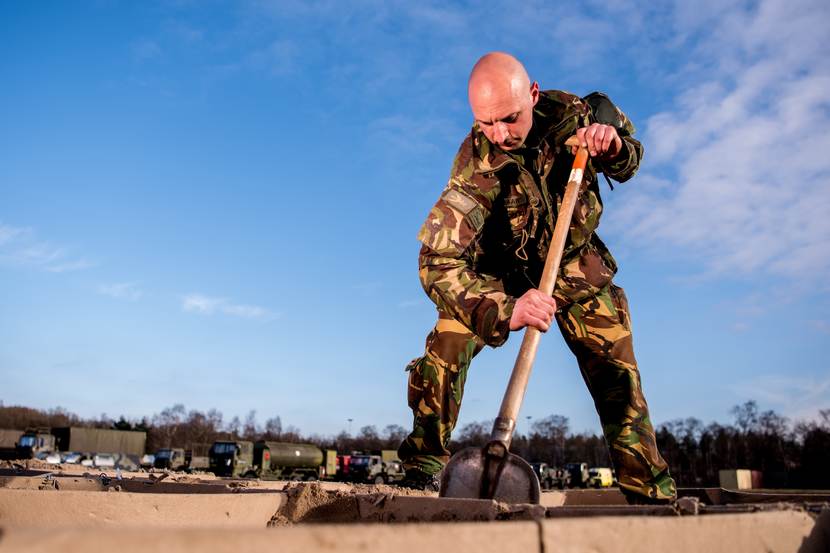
x=71, y=508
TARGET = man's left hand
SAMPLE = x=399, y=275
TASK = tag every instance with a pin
x=601, y=140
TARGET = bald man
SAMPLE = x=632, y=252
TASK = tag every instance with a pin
x=484, y=245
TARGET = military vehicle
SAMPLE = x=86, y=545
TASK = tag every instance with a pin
x=600, y=477
x=100, y=440
x=170, y=458
x=196, y=458
x=578, y=473
x=230, y=458
x=375, y=469
x=551, y=477
x=34, y=441
x=270, y=460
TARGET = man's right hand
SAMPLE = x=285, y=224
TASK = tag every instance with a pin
x=533, y=309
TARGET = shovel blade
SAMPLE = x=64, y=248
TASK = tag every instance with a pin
x=474, y=473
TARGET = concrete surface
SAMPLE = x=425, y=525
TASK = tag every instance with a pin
x=52, y=509
x=414, y=538
x=776, y=532
x=770, y=532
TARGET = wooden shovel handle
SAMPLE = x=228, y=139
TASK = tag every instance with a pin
x=514, y=395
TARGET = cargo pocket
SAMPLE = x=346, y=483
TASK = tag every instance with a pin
x=415, y=382
x=621, y=304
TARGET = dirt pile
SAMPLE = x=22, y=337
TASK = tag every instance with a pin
x=311, y=503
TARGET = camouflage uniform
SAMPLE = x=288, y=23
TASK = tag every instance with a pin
x=484, y=244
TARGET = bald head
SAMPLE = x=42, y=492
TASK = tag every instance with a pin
x=502, y=99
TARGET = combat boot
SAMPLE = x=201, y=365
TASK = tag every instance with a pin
x=419, y=480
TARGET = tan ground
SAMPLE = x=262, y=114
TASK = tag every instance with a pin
x=73, y=510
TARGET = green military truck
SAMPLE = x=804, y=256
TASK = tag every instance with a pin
x=375, y=469
x=170, y=458
x=34, y=441
x=100, y=440
x=82, y=440
x=270, y=460
x=578, y=473
x=551, y=477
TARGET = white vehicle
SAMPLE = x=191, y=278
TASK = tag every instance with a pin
x=53, y=458
x=72, y=457
x=104, y=460
x=148, y=460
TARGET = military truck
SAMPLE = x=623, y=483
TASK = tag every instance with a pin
x=230, y=458
x=551, y=477
x=196, y=457
x=34, y=441
x=270, y=460
x=600, y=477
x=578, y=473
x=170, y=458
x=375, y=469
x=100, y=440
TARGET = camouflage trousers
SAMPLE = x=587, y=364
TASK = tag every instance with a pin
x=598, y=332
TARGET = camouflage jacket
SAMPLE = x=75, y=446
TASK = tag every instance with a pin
x=484, y=242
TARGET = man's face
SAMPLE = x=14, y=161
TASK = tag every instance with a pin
x=505, y=115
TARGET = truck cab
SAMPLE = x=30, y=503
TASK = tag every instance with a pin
x=373, y=469
x=170, y=458
x=578, y=473
x=229, y=458
x=600, y=477
x=33, y=442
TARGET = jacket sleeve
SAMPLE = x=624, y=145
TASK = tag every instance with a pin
x=447, y=258
x=604, y=111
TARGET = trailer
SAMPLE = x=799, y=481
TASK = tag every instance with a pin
x=100, y=440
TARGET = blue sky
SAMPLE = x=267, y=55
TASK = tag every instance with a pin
x=216, y=203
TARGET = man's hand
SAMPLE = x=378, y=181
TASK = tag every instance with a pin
x=533, y=309
x=601, y=140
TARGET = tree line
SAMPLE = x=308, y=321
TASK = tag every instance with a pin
x=795, y=455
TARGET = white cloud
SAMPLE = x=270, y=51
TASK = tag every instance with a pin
x=206, y=305
x=19, y=247
x=797, y=397
x=750, y=167
x=123, y=291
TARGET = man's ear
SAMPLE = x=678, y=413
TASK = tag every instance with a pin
x=534, y=92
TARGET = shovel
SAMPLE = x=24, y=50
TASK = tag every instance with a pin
x=492, y=472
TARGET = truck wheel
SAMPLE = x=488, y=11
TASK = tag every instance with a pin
x=311, y=478
x=379, y=479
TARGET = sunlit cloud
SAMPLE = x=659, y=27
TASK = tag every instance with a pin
x=795, y=396
x=123, y=291
x=749, y=184
x=206, y=305
x=20, y=247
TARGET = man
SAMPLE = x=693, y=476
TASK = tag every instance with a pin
x=483, y=249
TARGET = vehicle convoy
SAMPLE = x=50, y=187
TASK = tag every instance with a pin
x=551, y=477
x=273, y=460
x=578, y=473
x=375, y=469
x=600, y=477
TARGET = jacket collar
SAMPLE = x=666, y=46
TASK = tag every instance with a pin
x=555, y=117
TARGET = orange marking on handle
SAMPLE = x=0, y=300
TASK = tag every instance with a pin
x=581, y=158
